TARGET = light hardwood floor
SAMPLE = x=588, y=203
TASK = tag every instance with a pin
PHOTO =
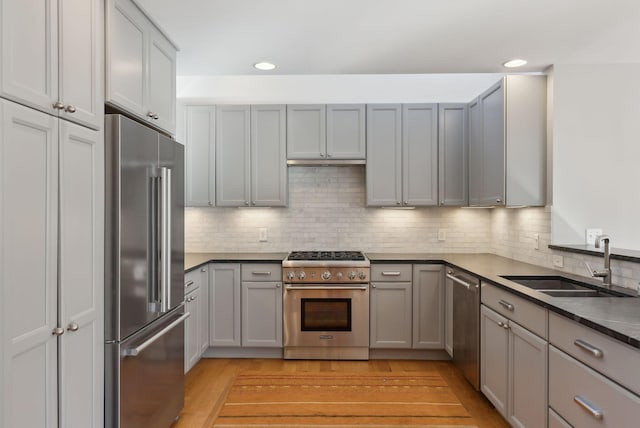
x=209, y=381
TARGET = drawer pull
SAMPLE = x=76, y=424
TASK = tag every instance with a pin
x=594, y=411
x=260, y=272
x=508, y=306
x=391, y=273
x=589, y=348
x=503, y=325
x=188, y=284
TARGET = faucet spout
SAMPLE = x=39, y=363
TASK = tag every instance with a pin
x=605, y=274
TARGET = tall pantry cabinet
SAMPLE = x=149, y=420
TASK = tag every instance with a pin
x=51, y=213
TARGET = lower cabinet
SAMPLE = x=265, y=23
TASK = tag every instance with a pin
x=428, y=307
x=448, y=316
x=390, y=315
x=224, y=304
x=197, y=325
x=513, y=370
x=262, y=314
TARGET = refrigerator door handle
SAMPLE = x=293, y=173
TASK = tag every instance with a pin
x=165, y=239
x=132, y=352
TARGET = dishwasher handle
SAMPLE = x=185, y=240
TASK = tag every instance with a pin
x=461, y=282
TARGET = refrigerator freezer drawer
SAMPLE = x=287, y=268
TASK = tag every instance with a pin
x=146, y=390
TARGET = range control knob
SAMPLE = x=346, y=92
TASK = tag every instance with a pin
x=339, y=275
x=351, y=275
x=326, y=275
x=291, y=275
x=302, y=275
x=362, y=275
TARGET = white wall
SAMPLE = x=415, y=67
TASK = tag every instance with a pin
x=596, y=153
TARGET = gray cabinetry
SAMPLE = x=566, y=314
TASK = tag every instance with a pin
x=318, y=131
x=52, y=58
x=508, y=143
x=200, y=156
x=428, y=307
x=513, y=370
x=250, y=156
x=448, y=316
x=262, y=314
x=51, y=244
x=402, y=155
x=145, y=87
x=197, y=325
x=224, y=304
x=453, y=154
x=390, y=315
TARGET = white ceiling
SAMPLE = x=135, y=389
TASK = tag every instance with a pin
x=226, y=37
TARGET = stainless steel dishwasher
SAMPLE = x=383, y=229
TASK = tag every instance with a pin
x=466, y=324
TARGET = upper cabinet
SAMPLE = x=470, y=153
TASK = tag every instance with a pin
x=402, y=154
x=200, y=156
x=453, y=154
x=51, y=57
x=251, y=167
x=335, y=131
x=141, y=66
x=507, y=143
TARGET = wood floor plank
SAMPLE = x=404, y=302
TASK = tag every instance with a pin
x=209, y=382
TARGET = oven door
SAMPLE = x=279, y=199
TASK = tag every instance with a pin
x=318, y=315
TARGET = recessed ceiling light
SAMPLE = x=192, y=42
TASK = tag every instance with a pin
x=265, y=66
x=515, y=63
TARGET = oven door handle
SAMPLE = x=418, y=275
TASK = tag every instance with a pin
x=361, y=288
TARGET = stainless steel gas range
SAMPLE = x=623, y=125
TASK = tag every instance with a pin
x=326, y=305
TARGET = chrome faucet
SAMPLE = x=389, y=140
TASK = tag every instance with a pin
x=605, y=273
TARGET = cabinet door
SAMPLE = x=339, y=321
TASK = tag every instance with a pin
x=127, y=49
x=306, y=131
x=81, y=276
x=428, y=307
x=191, y=342
x=80, y=33
x=448, y=316
x=527, y=378
x=452, y=154
x=28, y=266
x=390, y=315
x=233, y=182
x=420, y=154
x=29, y=53
x=476, y=153
x=224, y=304
x=493, y=140
x=200, y=148
x=384, y=155
x=268, y=156
x=494, y=358
x=346, y=131
x=262, y=314
x=203, y=312
x=162, y=82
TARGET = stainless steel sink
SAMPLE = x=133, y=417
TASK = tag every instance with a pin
x=559, y=286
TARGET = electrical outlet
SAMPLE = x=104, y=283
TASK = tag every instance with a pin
x=591, y=234
x=442, y=235
x=536, y=241
x=558, y=261
x=262, y=234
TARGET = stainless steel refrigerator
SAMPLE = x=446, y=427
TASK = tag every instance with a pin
x=144, y=276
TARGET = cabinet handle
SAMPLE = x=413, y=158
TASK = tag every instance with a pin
x=589, y=348
x=58, y=331
x=70, y=109
x=58, y=105
x=389, y=273
x=373, y=286
x=246, y=202
x=503, y=325
x=188, y=284
x=253, y=202
x=260, y=272
x=321, y=154
x=203, y=270
x=150, y=114
x=508, y=306
x=594, y=411
x=278, y=285
x=328, y=155
x=398, y=203
x=498, y=201
x=156, y=117
x=73, y=326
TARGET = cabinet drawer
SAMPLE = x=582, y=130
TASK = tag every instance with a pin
x=391, y=272
x=261, y=272
x=587, y=399
x=604, y=354
x=527, y=314
x=193, y=279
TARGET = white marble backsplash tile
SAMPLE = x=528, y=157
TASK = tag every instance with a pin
x=327, y=211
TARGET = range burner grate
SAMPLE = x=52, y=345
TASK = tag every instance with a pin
x=326, y=255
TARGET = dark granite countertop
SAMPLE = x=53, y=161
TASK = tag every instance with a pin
x=617, y=317
x=194, y=260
